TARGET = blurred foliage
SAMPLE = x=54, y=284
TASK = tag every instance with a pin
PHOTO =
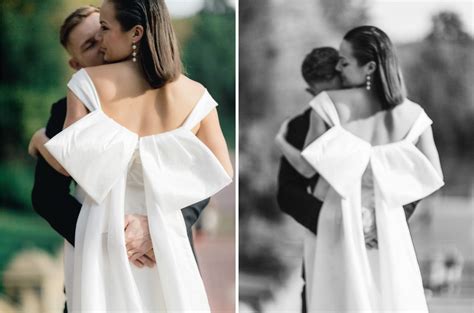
x=16, y=182
x=435, y=80
x=344, y=15
x=32, y=68
x=209, y=57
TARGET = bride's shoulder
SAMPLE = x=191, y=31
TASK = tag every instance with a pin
x=108, y=79
x=344, y=100
x=186, y=91
x=346, y=96
x=185, y=85
x=407, y=110
x=110, y=72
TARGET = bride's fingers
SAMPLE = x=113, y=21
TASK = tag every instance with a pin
x=135, y=256
x=146, y=261
x=138, y=263
x=151, y=255
x=149, y=261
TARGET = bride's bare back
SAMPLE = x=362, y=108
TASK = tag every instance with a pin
x=362, y=115
x=127, y=98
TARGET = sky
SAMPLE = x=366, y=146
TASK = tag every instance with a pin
x=410, y=20
x=186, y=8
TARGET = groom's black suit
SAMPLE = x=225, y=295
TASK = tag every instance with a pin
x=293, y=197
x=51, y=198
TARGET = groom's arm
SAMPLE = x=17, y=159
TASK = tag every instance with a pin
x=292, y=196
x=191, y=214
x=50, y=196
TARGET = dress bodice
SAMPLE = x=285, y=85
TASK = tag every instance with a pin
x=98, y=146
x=402, y=172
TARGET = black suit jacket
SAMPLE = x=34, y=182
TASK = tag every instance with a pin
x=51, y=197
x=292, y=196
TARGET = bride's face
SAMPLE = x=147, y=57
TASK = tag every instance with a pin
x=352, y=75
x=116, y=44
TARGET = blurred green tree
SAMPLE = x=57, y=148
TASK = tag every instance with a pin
x=209, y=57
x=31, y=69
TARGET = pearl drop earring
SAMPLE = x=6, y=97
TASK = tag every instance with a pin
x=367, y=82
x=134, y=53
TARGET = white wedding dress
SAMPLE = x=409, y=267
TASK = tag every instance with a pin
x=119, y=172
x=364, y=188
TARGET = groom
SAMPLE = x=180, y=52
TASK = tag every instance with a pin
x=319, y=72
x=50, y=196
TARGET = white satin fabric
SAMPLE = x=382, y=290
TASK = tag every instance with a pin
x=342, y=274
x=119, y=172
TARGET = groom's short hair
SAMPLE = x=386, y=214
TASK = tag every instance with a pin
x=320, y=65
x=74, y=19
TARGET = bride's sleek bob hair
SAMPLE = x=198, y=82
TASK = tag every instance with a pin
x=370, y=43
x=158, y=51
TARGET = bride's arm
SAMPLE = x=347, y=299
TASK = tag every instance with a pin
x=317, y=127
x=75, y=111
x=427, y=146
x=210, y=133
x=37, y=146
x=292, y=154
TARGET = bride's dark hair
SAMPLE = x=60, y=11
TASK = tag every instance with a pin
x=158, y=51
x=370, y=43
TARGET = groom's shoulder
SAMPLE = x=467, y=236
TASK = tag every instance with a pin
x=300, y=120
x=298, y=127
x=59, y=106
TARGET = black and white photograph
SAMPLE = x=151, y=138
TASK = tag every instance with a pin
x=356, y=183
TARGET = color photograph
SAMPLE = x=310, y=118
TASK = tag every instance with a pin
x=118, y=156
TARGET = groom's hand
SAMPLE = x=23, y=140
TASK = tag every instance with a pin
x=138, y=240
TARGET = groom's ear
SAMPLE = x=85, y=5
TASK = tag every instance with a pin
x=74, y=64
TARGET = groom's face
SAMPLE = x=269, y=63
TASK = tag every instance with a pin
x=83, y=43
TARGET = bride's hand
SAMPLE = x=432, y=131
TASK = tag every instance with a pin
x=146, y=260
x=371, y=241
x=281, y=134
x=137, y=237
x=37, y=141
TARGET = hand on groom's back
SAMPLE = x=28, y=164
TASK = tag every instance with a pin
x=138, y=241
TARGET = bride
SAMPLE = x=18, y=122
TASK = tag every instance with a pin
x=374, y=151
x=138, y=134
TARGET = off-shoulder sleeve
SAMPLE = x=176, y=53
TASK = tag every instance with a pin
x=83, y=88
x=94, y=151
